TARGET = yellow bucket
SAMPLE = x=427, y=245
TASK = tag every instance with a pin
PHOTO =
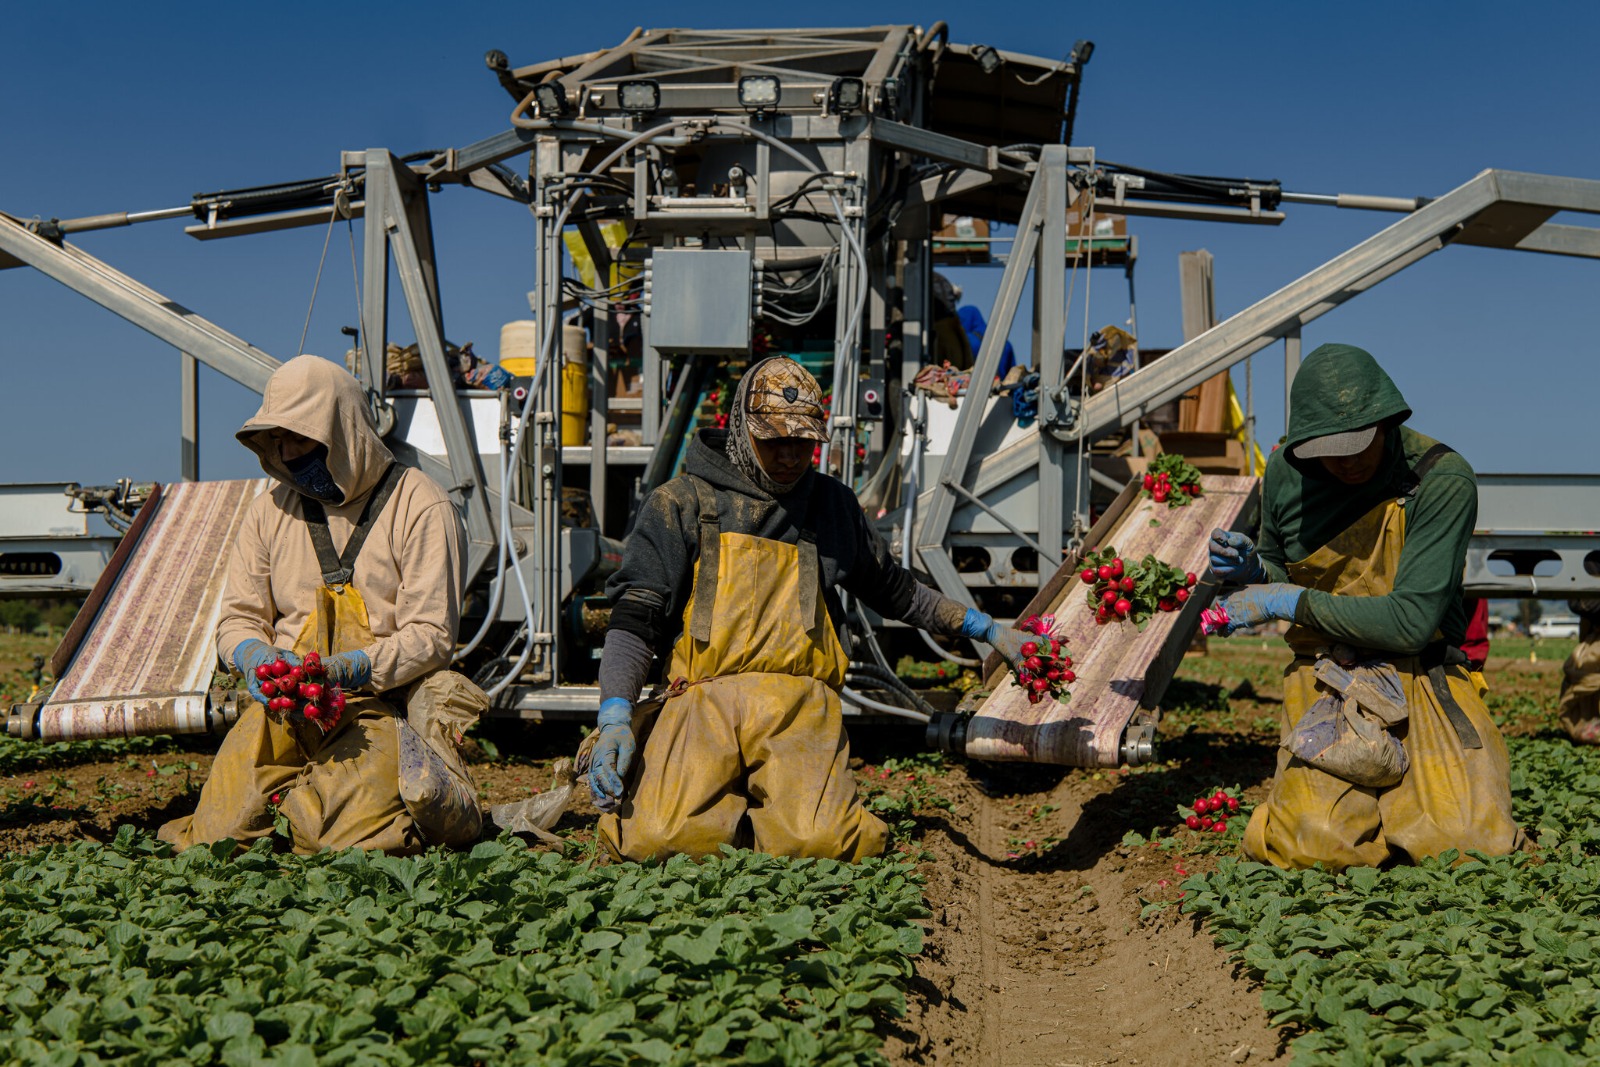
x=519, y=347
x=574, y=386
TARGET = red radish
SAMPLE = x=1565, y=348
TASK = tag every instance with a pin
x=313, y=712
x=1030, y=648
x=1192, y=822
x=298, y=674
x=1160, y=496
x=1104, y=571
x=1053, y=674
x=1207, y=823
x=1066, y=661
x=1189, y=578
x=1039, y=685
x=1123, y=607
x=1166, y=603
x=1068, y=677
x=1233, y=803
x=1088, y=576
x=1219, y=827
x=1100, y=615
x=280, y=667
x=338, y=699
x=1109, y=596
x=277, y=798
x=1126, y=584
x=1181, y=595
x=1202, y=806
x=311, y=691
x=263, y=672
x=1116, y=567
x=1033, y=663
x=1149, y=482
x=269, y=689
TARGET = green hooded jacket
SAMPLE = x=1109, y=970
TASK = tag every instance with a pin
x=1340, y=388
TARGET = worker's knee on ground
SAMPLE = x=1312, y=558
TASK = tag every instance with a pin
x=856, y=835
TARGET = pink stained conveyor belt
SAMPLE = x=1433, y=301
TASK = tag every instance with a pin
x=1122, y=671
x=139, y=658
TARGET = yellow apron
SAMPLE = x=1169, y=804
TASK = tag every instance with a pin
x=338, y=790
x=753, y=751
x=1457, y=793
x=1580, y=687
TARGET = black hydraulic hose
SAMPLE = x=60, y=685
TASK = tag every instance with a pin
x=888, y=678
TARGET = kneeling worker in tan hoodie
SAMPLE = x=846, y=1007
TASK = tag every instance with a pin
x=357, y=558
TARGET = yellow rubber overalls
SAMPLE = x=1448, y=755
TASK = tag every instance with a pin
x=1457, y=793
x=339, y=790
x=753, y=751
x=1580, y=687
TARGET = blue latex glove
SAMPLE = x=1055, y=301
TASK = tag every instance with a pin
x=1234, y=558
x=1255, y=604
x=348, y=670
x=1004, y=640
x=248, y=655
x=613, y=753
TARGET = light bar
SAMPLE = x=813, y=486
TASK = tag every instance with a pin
x=988, y=59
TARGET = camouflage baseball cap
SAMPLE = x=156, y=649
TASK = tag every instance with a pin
x=786, y=401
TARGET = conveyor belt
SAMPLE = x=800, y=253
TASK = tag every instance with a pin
x=1122, y=672
x=140, y=657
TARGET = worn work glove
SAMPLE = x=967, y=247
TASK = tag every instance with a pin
x=248, y=655
x=1234, y=558
x=1004, y=640
x=1255, y=604
x=348, y=670
x=613, y=753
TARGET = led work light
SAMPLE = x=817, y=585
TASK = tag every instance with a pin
x=759, y=92
x=552, y=99
x=639, y=97
x=846, y=95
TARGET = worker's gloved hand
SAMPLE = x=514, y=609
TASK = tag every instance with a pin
x=348, y=670
x=1255, y=604
x=1004, y=640
x=613, y=753
x=248, y=655
x=1234, y=558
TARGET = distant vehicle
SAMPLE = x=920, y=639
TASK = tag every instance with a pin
x=1555, y=626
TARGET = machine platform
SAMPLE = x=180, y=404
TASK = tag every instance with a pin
x=140, y=656
x=1122, y=672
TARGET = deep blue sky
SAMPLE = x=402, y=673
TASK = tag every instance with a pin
x=112, y=107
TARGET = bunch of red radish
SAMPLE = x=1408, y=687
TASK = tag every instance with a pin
x=1210, y=814
x=1160, y=488
x=1172, y=480
x=1045, y=670
x=1119, y=591
x=301, y=689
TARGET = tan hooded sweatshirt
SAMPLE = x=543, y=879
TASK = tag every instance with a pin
x=409, y=571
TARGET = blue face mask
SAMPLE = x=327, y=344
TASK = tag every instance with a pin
x=310, y=473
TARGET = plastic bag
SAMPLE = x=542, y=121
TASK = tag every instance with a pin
x=435, y=785
x=539, y=813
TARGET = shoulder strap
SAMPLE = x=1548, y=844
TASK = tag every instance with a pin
x=1412, y=480
x=705, y=586
x=339, y=568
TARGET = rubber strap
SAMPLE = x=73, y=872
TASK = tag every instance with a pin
x=339, y=568
x=705, y=586
x=1458, y=718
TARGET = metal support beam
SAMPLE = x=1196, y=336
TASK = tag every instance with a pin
x=406, y=228
x=1340, y=279
x=189, y=417
x=1050, y=301
x=1291, y=367
x=936, y=522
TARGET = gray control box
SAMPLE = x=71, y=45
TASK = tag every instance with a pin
x=699, y=300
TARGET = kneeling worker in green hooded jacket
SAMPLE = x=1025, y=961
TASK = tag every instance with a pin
x=737, y=565
x=1364, y=533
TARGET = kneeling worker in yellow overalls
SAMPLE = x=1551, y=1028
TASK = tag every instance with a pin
x=735, y=563
x=357, y=558
x=1364, y=533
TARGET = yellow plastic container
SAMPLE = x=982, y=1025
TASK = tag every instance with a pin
x=574, y=386
x=519, y=347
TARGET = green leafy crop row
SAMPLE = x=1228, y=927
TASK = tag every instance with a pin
x=17, y=755
x=1488, y=961
x=128, y=955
